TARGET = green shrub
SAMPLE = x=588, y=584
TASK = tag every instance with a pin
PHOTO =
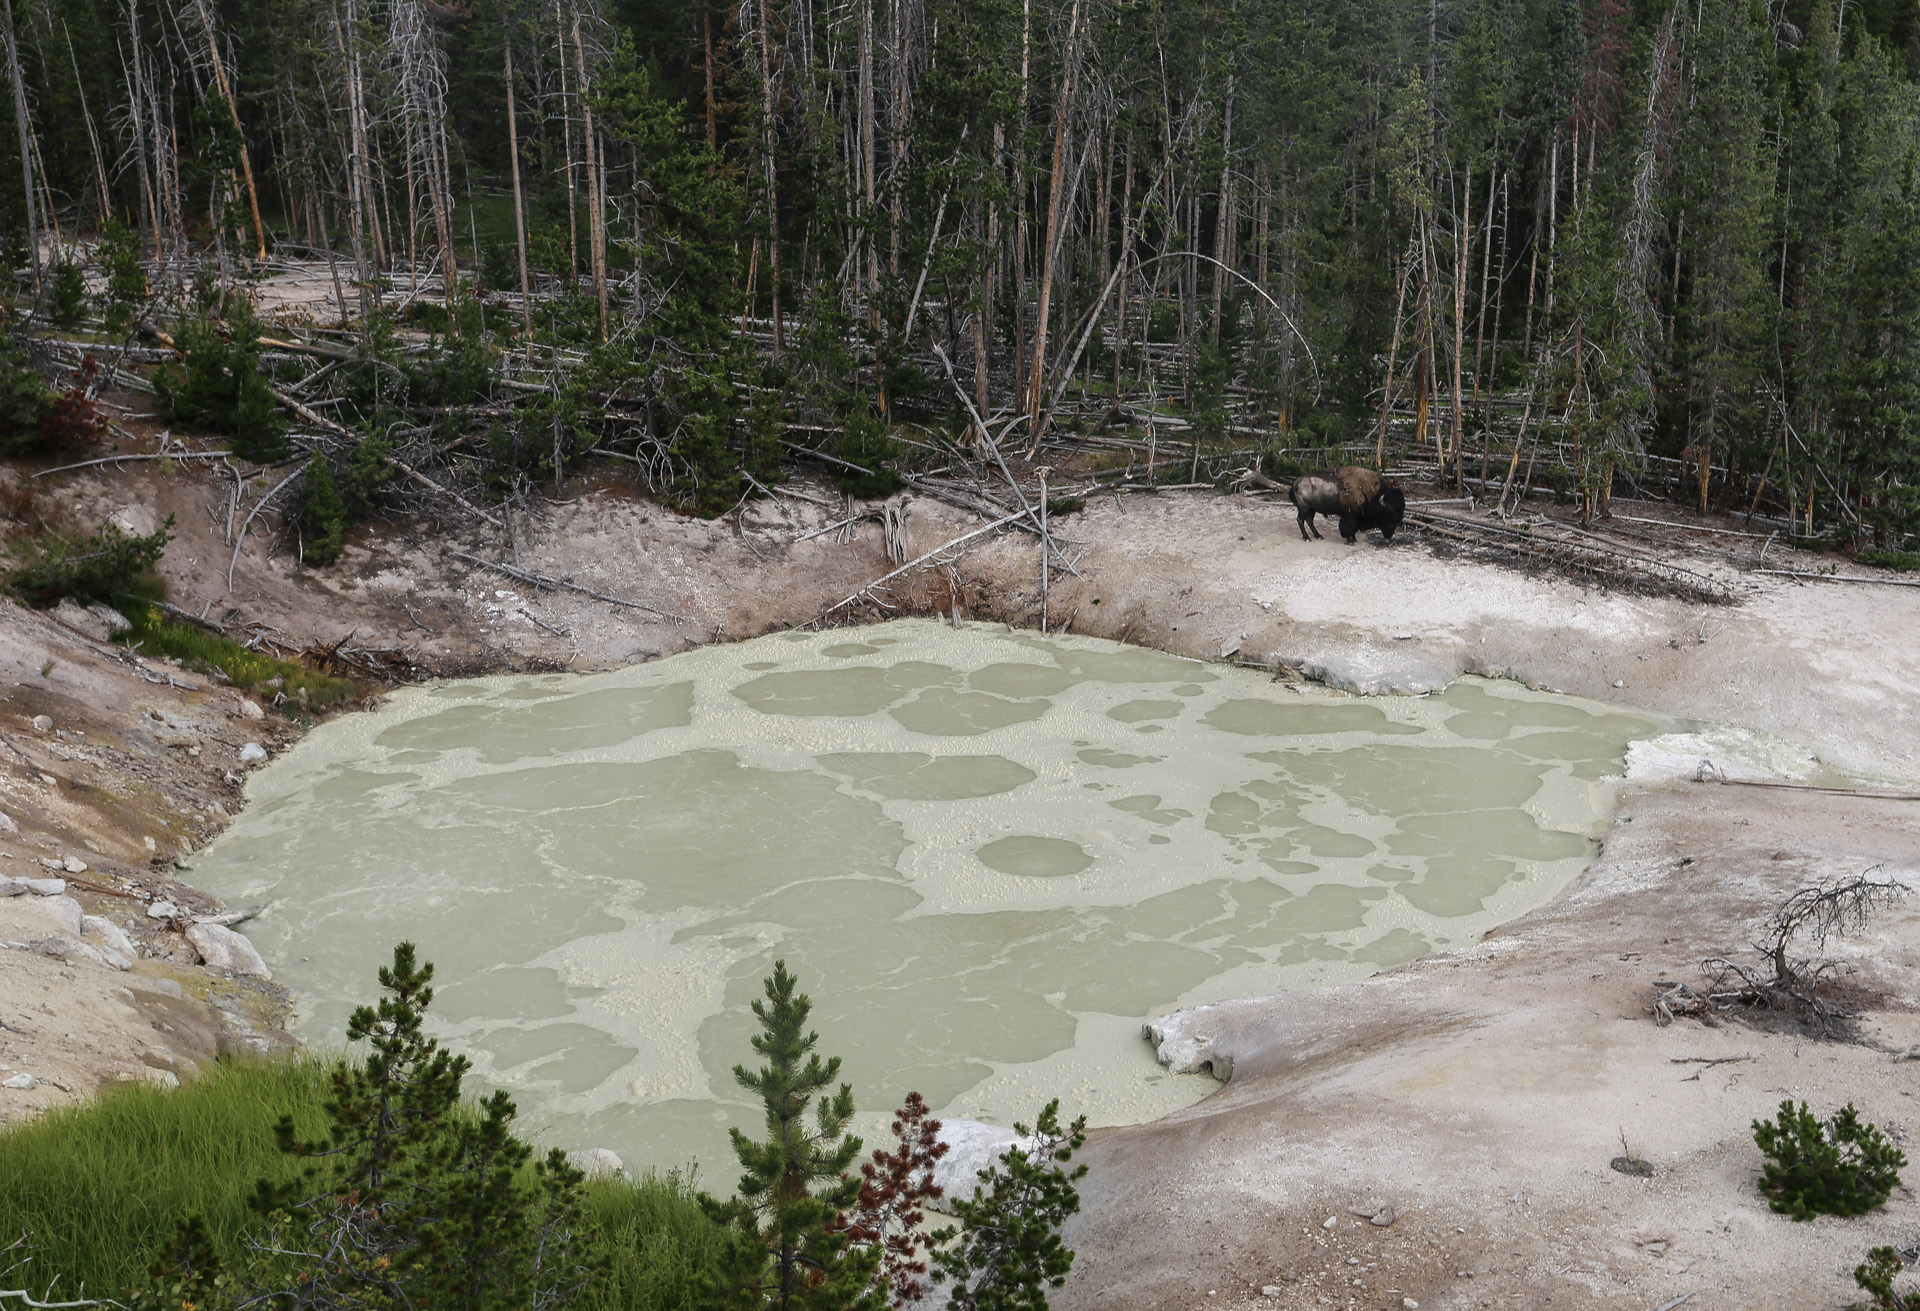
x=323, y=516
x=67, y=295
x=219, y=385
x=864, y=440
x=1876, y=1275
x=25, y=403
x=1841, y=1167
x=105, y=566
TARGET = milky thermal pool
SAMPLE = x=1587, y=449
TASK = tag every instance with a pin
x=988, y=854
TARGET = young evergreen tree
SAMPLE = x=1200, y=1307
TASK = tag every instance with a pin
x=410, y=1199
x=1009, y=1251
x=791, y=1211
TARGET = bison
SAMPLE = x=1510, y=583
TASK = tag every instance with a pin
x=1360, y=497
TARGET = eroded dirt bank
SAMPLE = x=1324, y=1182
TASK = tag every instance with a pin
x=1479, y=1093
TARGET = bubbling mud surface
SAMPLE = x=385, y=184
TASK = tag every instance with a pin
x=988, y=854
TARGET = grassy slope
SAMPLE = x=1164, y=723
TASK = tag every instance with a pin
x=100, y=1188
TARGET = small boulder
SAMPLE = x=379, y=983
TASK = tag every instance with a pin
x=21, y=1081
x=72, y=951
x=74, y=865
x=6, y=823
x=250, y=709
x=163, y=910
x=598, y=1163
x=251, y=752
x=160, y=1078
x=100, y=622
x=227, y=952
x=46, y=887
x=12, y=887
x=42, y=724
x=64, y=911
x=117, y=938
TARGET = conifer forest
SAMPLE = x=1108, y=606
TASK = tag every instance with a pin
x=1576, y=246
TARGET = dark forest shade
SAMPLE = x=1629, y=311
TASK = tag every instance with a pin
x=1690, y=230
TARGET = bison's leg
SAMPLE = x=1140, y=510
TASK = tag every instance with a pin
x=1306, y=522
x=1349, y=526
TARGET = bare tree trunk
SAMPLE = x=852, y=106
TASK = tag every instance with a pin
x=93, y=138
x=519, y=208
x=1460, y=318
x=1393, y=352
x=26, y=152
x=597, y=218
x=767, y=140
x=866, y=236
x=1223, y=218
x=566, y=139
x=233, y=107
x=1050, y=253
x=706, y=29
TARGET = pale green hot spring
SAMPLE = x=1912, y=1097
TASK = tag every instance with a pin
x=989, y=855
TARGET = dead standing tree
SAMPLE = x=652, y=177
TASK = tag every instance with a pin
x=1790, y=983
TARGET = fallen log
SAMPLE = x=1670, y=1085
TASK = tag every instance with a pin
x=542, y=580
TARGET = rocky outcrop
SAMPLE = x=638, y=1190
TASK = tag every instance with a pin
x=227, y=952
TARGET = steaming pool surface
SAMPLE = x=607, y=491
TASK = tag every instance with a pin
x=989, y=856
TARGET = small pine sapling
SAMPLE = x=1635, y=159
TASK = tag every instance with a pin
x=797, y=1253
x=126, y=286
x=895, y=1188
x=67, y=301
x=323, y=516
x=1843, y=1166
x=25, y=402
x=1010, y=1251
x=1875, y=1276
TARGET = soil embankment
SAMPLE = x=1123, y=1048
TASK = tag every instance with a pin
x=1479, y=1094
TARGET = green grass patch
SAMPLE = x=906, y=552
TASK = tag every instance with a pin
x=101, y=1188
x=156, y=635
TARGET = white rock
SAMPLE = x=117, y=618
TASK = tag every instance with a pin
x=598, y=1163
x=160, y=1078
x=74, y=865
x=42, y=724
x=1269, y=1290
x=66, y=912
x=6, y=823
x=251, y=709
x=12, y=887
x=1330, y=1222
x=1409, y=1304
x=226, y=951
x=1183, y=1042
x=162, y=910
x=100, y=622
x=251, y=752
x=135, y=520
x=971, y=1147
x=95, y=926
x=72, y=950
x=22, y=1081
